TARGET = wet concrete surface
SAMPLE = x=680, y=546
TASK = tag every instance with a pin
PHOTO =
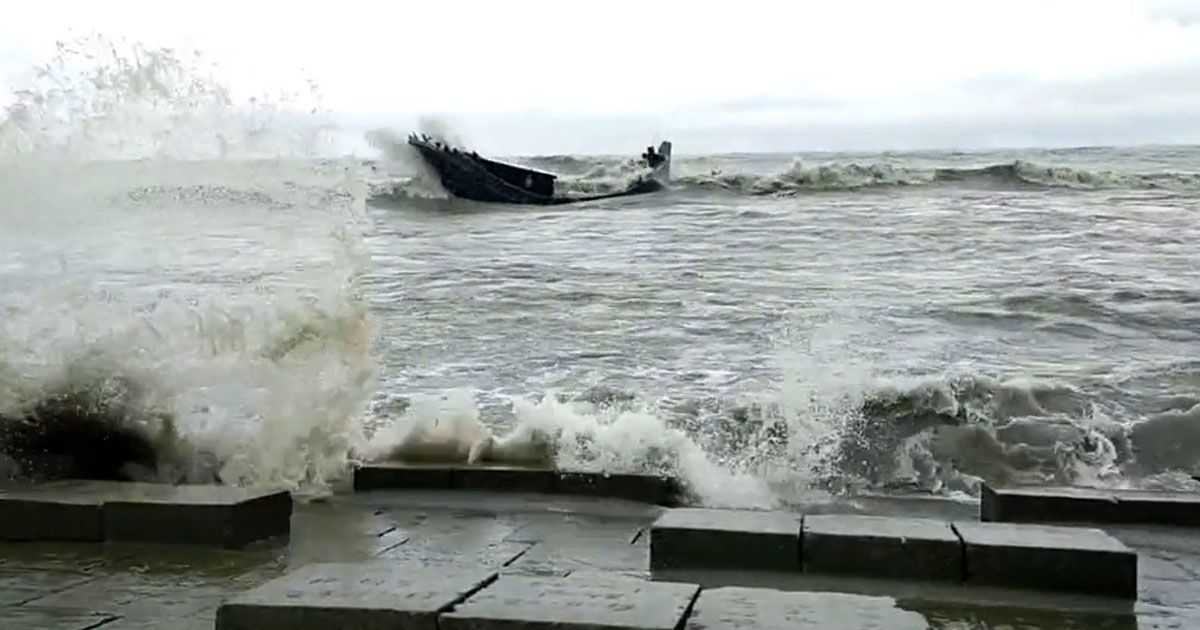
x=120, y=585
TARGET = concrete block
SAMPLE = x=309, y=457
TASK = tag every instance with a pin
x=1089, y=505
x=576, y=601
x=768, y=609
x=1047, y=505
x=489, y=477
x=725, y=539
x=1154, y=507
x=633, y=487
x=882, y=546
x=399, y=476
x=1044, y=557
x=380, y=594
x=503, y=479
x=225, y=516
x=52, y=511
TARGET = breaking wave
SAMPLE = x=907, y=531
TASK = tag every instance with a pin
x=801, y=177
x=936, y=436
x=181, y=277
x=580, y=175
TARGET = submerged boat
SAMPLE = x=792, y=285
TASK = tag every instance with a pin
x=469, y=176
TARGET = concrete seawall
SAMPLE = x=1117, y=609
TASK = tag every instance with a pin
x=463, y=555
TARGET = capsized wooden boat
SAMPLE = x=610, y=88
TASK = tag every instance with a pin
x=470, y=176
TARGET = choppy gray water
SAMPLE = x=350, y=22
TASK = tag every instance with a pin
x=183, y=277
x=828, y=320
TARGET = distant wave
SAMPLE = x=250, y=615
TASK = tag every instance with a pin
x=800, y=177
x=582, y=175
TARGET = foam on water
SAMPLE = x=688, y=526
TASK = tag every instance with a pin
x=832, y=424
x=171, y=246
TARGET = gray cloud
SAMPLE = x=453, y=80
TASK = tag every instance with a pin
x=1157, y=106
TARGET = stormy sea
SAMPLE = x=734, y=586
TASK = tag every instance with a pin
x=193, y=292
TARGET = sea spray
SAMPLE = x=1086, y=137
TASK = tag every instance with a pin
x=204, y=249
x=578, y=434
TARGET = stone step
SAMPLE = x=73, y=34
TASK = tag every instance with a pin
x=1046, y=557
x=94, y=511
x=1073, y=504
x=725, y=539
x=1035, y=557
x=405, y=476
x=882, y=546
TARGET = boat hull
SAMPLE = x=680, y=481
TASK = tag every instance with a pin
x=469, y=176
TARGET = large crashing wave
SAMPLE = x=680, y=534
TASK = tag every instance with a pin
x=180, y=277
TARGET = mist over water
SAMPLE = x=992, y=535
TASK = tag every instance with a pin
x=190, y=269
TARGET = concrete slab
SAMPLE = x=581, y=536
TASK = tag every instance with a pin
x=1046, y=557
x=145, y=593
x=491, y=556
x=1158, y=508
x=57, y=510
x=565, y=543
x=584, y=601
x=13, y=582
x=725, y=539
x=650, y=489
x=1047, y=505
x=400, y=476
x=225, y=516
x=503, y=479
x=768, y=609
x=507, y=503
x=92, y=511
x=882, y=546
x=1089, y=505
x=380, y=594
x=343, y=532
x=51, y=618
x=154, y=623
x=452, y=530
x=547, y=559
x=643, y=488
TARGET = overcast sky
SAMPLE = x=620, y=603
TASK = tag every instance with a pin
x=532, y=76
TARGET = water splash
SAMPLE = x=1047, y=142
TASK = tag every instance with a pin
x=159, y=231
